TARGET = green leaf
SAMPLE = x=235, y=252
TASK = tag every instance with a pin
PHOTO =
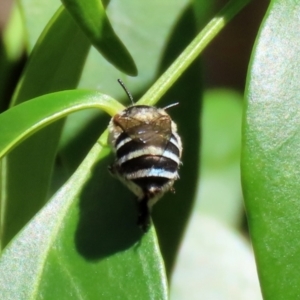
x=270, y=153
x=23, y=120
x=67, y=249
x=29, y=166
x=91, y=17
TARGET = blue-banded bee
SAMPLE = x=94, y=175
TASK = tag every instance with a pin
x=148, y=152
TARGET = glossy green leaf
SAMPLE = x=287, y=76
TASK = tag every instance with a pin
x=23, y=120
x=55, y=64
x=59, y=244
x=91, y=17
x=270, y=153
x=64, y=253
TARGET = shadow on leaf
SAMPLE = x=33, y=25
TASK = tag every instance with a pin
x=107, y=221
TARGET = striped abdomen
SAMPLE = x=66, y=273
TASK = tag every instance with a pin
x=152, y=167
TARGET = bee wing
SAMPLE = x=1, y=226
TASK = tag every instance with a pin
x=126, y=123
x=156, y=132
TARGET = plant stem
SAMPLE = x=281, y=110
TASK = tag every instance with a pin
x=192, y=51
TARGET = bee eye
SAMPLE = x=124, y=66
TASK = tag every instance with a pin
x=148, y=154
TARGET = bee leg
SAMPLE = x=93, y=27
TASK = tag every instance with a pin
x=143, y=214
x=111, y=170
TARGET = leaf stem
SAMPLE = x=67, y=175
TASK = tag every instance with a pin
x=192, y=51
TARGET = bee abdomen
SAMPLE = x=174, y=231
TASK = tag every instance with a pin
x=149, y=167
x=147, y=162
x=134, y=156
x=127, y=149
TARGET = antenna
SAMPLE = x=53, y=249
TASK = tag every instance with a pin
x=171, y=105
x=126, y=91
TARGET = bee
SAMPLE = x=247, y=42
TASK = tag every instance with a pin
x=148, y=154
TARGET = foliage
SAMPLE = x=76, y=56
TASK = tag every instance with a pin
x=67, y=228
